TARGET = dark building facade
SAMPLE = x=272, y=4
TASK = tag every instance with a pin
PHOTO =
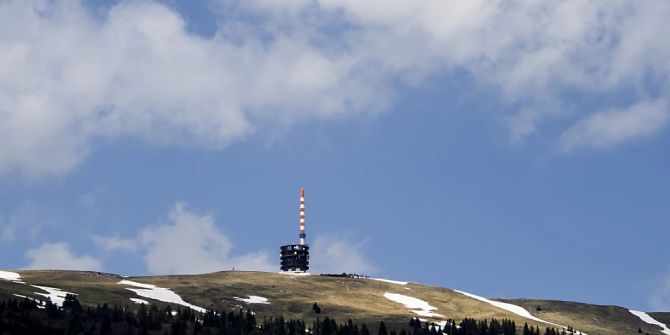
x=294, y=258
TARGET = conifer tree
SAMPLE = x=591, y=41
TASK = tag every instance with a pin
x=382, y=329
x=364, y=329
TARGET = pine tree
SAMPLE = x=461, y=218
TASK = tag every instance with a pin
x=382, y=329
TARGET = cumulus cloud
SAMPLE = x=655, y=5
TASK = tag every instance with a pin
x=607, y=129
x=72, y=78
x=659, y=300
x=25, y=221
x=533, y=52
x=58, y=256
x=114, y=243
x=7, y=232
x=336, y=254
x=190, y=243
x=193, y=244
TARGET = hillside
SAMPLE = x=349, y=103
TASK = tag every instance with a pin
x=365, y=300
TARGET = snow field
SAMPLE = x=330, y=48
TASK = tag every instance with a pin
x=11, y=276
x=294, y=273
x=56, y=295
x=254, y=299
x=159, y=293
x=417, y=306
x=518, y=310
x=648, y=319
x=39, y=302
x=390, y=281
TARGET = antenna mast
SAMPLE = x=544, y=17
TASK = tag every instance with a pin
x=302, y=216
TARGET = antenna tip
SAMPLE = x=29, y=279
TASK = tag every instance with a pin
x=302, y=192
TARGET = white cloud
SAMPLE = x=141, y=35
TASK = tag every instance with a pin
x=25, y=221
x=523, y=123
x=192, y=243
x=71, y=78
x=7, y=232
x=659, y=300
x=113, y=243
x=337, y=254
x=58, y=256
x=534, y=52
x=519, y=44
x=607, y=129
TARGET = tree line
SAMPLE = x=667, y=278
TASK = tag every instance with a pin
x=28, y=317
x=469, y=326
x=344, y=275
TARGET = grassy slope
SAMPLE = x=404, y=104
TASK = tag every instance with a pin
x=340, y=298
x=661, y=317
x=592, y=319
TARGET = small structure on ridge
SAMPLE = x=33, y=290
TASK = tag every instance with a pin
x=295, y=257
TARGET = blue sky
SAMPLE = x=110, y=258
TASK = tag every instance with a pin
x=510, y=151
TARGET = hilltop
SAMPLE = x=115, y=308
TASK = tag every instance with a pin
x=341, y=298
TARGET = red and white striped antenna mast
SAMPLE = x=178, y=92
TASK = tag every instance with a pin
x=295, y=257
x=302, y=216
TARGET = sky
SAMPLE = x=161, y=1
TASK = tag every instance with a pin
x=505, y=148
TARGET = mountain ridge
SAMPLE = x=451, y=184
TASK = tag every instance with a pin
x=361, y=299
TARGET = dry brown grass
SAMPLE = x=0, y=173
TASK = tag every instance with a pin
x=592, y=319
x=339, y=298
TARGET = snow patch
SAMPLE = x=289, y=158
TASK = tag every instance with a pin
x=11, y=276
x=417, y=306
x=295, y=273
x=648, y=319
x=518, y=310
x=440, y=324
x=254, y=299
x=390, y=281
x=159, y=293
x=56, y=295
x=136, y=284
x=139, y=301
x=39, y=302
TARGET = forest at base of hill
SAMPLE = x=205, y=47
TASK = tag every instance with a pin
x=28, y=317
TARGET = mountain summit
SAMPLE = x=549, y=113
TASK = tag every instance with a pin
x=339, y=297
